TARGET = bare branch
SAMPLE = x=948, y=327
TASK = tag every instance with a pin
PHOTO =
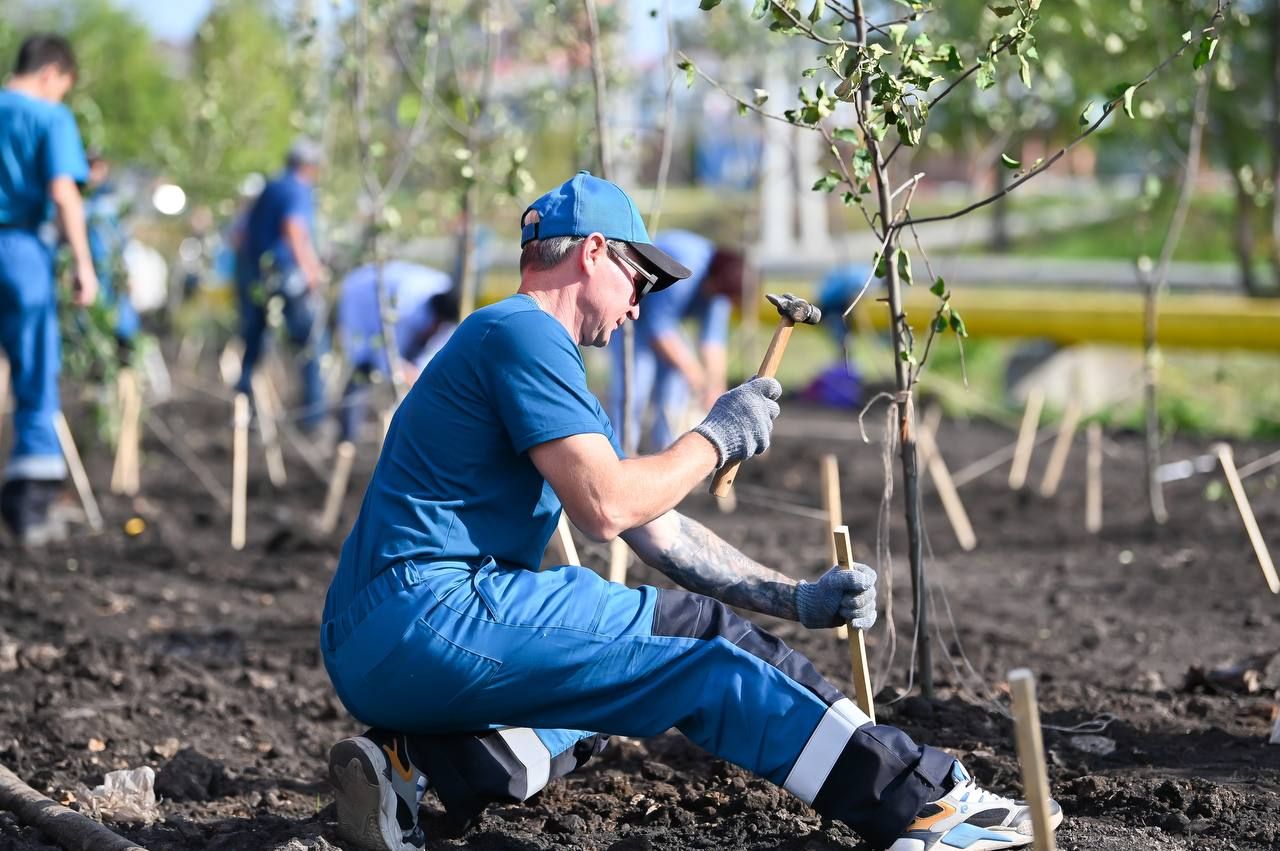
x=741, y=101
x=668, y=122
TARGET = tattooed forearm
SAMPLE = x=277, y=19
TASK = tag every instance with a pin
x=696, y=558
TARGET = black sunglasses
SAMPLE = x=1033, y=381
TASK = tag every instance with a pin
x=642, y=274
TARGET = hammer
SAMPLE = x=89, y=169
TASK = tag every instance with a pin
x=791, y=309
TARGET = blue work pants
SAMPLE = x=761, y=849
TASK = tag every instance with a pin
x=301, y=313
x=507, y=678
x=31, y=340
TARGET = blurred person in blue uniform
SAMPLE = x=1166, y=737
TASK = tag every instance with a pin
x=839, y=385
x=42, y=161
x=107, y=239
x=276, y=257
x=672, y=372
x=424, y=305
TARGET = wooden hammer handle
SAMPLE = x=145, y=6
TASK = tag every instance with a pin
x=723, y=482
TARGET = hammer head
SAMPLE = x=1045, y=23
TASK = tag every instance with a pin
x=795, y=308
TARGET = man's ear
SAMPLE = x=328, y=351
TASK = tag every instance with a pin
x=593, y=252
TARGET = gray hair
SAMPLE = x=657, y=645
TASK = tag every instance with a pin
x=543, y=254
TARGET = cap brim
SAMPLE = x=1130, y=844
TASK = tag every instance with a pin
x=662, y=264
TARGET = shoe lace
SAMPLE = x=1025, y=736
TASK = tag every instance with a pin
x=975, y=794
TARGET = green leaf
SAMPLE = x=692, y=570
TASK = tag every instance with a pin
x=1084, y=114
x=759, y=10
x=1128, y=100
x=897, y=33
x=1003, y=11
x=957, y=324
x=939, y=287
x=689, y=73
x=949, y=58
x=708, y=5
x=939, y=324
x=816, y=14
x=1024, y=70
x=1009, y=162
x=827, y=182
x=760, y=96
x=1117, y=91
x=1208, y=46
x=881, y=269
x=408, y=108
x=904, y=266
x=845, y=134
x=742, y=109
x=986, y=74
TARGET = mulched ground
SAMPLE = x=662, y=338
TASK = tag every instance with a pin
x=170, y=650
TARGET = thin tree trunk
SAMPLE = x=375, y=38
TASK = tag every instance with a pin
x=902, y=374
x=1275, y=139
x=1242, y=234
x=1155, y=284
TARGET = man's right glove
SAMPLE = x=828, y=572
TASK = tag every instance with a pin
x=840, y=596
x=741, y=420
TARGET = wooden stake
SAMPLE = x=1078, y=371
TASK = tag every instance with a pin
x=78, y=476
x=1093, y=479
x=857, y=641
x=125, y=473
x=1225, y=455
x=337, y=486
x=264, y=397
x=941, y=476
x=1026, y=438
x=1061, y=449
x=835, y=515
x=239, y=471
x=1035, y=780
x=619, y=558
x=563, y=540
x=4, y=392
x=229, y=362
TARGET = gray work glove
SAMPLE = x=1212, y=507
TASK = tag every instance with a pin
x=840, y=596
x=741, y=420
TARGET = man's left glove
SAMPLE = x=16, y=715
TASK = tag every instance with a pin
x=840, y=596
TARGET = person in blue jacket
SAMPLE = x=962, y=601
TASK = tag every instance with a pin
x=485, y=679
x=276, y=256
x=671, y=373
x=424, y=307
x=107, y=238
x=42, y=163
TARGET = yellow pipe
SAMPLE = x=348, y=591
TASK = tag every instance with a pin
x=1185, y=321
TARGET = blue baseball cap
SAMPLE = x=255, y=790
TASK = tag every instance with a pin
x=585, y=204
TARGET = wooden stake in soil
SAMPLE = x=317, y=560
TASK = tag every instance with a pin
x=268, y=415
x=239, y=471
x=1035, y=780
x=947, y=492
x=78, y=476
x=1225, y=455
x=125, y=473
x=1061, y=449
x=68, y=828
x=337, y=486
x=835, y=516
x=619, y=559
x=857, y=641
x=1026, y=438
x=1093, y=479
x=4, y=392
x=229, y=362
x=564, y=542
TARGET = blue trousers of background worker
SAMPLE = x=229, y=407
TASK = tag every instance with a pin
x=656, y=383
x=305, y=332
x=31, y=341
x=506, y=679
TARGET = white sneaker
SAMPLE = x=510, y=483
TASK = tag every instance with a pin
x=971, y=819
x=377, y=790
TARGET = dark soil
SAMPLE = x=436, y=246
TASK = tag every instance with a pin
x=169, y=649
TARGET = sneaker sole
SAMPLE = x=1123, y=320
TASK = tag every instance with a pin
x=366, y=806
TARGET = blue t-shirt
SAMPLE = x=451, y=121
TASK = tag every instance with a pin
x=663, y=311
x=38, y=142
x=409, y=288
x=285, y=197
x=455, y=481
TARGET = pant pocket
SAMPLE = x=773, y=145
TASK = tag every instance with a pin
x=414, y=687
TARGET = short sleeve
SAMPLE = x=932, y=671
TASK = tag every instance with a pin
x=715, y=321
x=297, y=204
x=64, y=152
x=538, y=384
